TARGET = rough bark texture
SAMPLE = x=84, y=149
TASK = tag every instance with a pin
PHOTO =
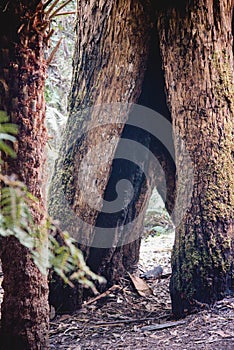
x=196, y=46
x=24, y=323
x=109, y=65
x=111, y=57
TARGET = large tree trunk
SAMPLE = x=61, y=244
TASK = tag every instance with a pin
x=196, y=46
x=109, y=64
x=24, y=323
x=111, y=56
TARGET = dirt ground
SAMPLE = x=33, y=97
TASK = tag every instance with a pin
x=125, y=320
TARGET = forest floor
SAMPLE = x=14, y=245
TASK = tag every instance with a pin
x=136, y=314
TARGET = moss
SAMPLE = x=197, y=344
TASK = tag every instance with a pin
x=223, y=84
x=199, y=258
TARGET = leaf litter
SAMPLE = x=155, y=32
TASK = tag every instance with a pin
x=136, y=314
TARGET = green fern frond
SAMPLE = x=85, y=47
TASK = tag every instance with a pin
x=7, y=130
x=15, y=215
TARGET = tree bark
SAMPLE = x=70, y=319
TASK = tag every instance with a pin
x=111, y=56
x=196, y=46
x=24, y=323
x=109, y=63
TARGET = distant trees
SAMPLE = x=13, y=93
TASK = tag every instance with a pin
x=118, y=58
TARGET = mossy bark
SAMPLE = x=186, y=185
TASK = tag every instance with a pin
x=196, y=45
x=25, y=311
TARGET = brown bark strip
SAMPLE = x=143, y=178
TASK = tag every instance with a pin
x=158, y=327
x=22, y=77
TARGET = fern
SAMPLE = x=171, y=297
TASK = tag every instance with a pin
x=7, y=132
x=15, y=214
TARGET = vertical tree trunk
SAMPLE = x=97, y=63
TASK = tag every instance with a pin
x=24, y=323
x=196, y=46
x=111, y=56
x=109, y=64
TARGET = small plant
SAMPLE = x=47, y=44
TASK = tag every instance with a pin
x=7, y=133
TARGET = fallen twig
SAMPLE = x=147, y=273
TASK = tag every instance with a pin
x=158, y=327
x=103, y=295
x=115, y=323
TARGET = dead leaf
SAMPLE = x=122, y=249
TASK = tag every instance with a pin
x=141, y=286
x=224, y=335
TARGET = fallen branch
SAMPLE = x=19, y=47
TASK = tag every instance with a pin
x=116, y=323
x=103, y=295
x=158, y=327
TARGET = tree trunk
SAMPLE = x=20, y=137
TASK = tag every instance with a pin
x=109, y=63
x=196, y=46
x=24, y=323
x=111, y=56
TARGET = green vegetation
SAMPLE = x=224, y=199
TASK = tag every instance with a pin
x=7, y=132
